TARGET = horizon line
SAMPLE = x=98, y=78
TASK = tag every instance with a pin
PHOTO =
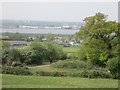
x=38, y=20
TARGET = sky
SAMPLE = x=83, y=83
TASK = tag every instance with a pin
x=57, y=11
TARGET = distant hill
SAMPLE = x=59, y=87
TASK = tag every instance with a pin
x=36, y=23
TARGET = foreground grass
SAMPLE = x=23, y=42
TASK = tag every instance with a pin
x=16, y=81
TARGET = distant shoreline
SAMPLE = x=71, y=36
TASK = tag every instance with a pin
x=40, y=31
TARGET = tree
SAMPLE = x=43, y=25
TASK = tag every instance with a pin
x=39, y=52
x=10, y=56
x=100, y=38
x=4, y=45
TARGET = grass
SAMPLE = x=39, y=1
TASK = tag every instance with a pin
x=72, y=49
x=52, y=69
x=19, y=81
x=16, y=81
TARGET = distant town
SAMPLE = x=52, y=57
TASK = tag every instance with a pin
x=10, y=24
x=22, y=39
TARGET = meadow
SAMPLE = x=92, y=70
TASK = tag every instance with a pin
x=18, y=81
x=72, y=49
x=34, y=81
x=45, y=64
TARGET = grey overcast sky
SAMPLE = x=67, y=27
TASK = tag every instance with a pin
x=59, y=11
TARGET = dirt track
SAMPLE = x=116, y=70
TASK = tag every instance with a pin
x=40, y=66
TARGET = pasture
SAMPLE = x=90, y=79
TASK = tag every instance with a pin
x=17, y=81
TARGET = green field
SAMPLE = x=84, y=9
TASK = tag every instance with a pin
x=19, y=81
x=72, y=49
x=14, y=81
x=49, y=68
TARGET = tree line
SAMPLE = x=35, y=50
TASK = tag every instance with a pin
x=36, y=53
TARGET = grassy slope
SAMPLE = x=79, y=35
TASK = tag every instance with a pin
x=49, y=68
x=72, y=49
x=14, y=81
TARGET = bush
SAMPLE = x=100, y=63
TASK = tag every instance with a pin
x=18, y=64
x=84, y=74
x=82, y=53
x=55, y=74
x=92, y=74
x=39, y=52
x=30, y=56
x=35, y=53
x=113, y=66
x=73, y=64
x=73, y=56
x=16, y=71
x=11, y=55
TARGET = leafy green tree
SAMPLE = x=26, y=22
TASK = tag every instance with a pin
x=100, y=38
x=82, y=53
x=113, y=65
x=4, y=45
x=39, y=52
x=11, y=55
x=30, y=56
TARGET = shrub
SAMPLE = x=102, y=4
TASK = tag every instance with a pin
x=16, y=71
x=55, y=51
x=58, y=74
x=55, y=74
x=92, y=74
x=30, y=56
x=84, y=74
x=39, y=52
x=35, y=53
x=113, y=66
x=82, y=53
x=11, y=55
x=98, y=74
x=73, y=64
x=73, y=56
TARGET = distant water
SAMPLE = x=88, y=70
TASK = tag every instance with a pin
x=41, y=31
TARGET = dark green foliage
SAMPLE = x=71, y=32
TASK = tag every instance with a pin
x=39, y=52
x=55, y=74
x=113, y=66
x=97, y=53
x=30, y=56
x=82, y=55
x=15, y=70
x=11, y=55
x=66, y=45
x=92, y=74
x=73, y=64
x=29, y=36
x=4, y=44
x=76, y=64
x=36, y=53
x=100, y=39
x=84, y=74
